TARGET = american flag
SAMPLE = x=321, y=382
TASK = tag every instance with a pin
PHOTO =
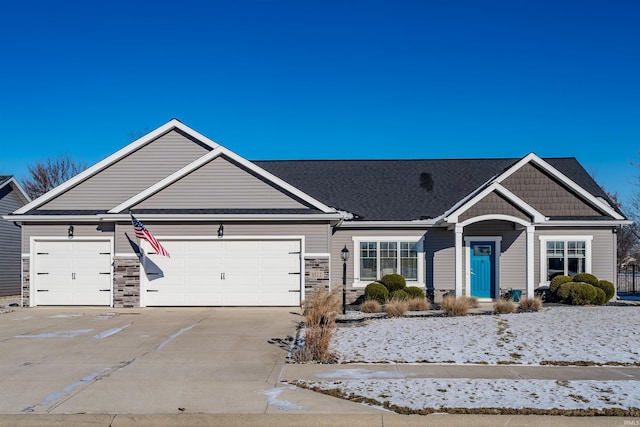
x=143, y=233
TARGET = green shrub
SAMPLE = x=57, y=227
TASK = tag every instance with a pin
x=601, y=297
x=399, y=295
x=376, y=291
x=586, y=278
x=393, y=282
x=607, y=287
x=581, y=294
x=556, y=282
x=414, y=292
x=564, y=290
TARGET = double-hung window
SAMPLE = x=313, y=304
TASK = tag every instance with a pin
x=566, y=256
x=376, y=257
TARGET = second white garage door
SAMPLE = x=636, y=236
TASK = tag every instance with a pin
x=223, y=273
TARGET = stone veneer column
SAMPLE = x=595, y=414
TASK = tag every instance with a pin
x=316, y=274
x=26, y=284
x=126, y=282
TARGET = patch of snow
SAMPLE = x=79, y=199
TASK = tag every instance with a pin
x=361, y=374
x=58, y=334
x=110, y=332
x=493, y=393
x=284, y=405
x=567, y=334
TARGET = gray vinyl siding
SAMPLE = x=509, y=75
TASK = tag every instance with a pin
x=440, y=259
x=132, y=174
x=344, y=237
x=60, y=230
x=220, y=184
x=513, y=251
x=10, y=247
x=493, y=204
x=545, y=194
x=316, y=234
x=603, y=250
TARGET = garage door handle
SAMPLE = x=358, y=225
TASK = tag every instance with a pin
x=294, y=253
x=43, y=290
x=152, y=290
x=294, y=290
x=108, y=272
x=42, y=273
x=295, y=273
x=105, y=290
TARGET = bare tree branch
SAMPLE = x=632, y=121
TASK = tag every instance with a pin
x=46, y=175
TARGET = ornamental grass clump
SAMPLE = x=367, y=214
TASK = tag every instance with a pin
x=456, y=306
x=396, y=308
x=371, y=306
x=419, y=304
x=531, y=304
x=320, y=311
x=504, y=306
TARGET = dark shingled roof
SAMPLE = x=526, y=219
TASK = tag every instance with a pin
x=402, y=190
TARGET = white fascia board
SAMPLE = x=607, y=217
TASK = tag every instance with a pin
x=388, y=224
x=16, y=186
x=277, y=181
x=167, y=127
x=585, y=223
x=532, y=157
x=167, y=181
x=220, y=217
x=52, y=218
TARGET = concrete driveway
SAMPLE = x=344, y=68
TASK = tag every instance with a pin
x=152, y=360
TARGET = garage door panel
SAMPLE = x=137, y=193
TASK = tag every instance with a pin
x=73, y=272
x=226, y=273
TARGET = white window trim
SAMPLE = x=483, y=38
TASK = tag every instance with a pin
x=543, y=253
x=356, y=257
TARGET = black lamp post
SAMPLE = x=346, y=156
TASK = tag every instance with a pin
x=345, y=257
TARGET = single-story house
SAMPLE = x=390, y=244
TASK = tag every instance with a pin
x=265, y=233
x=12, y=196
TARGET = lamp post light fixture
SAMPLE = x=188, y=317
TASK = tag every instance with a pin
x=70, y=232
x=221, y=230
x=345, y=257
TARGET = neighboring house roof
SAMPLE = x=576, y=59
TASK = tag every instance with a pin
x=404, y=190
x=10, y=181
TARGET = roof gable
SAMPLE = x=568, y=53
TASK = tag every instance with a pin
x=172, y=145
x=220, y=183
x=9, y=184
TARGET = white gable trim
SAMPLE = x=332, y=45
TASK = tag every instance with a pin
x=16, y=186
x=532, y=157
x=537, y=216
x=167, y=127
x=217, y=152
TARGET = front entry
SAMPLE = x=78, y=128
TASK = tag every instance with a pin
x=482, y=269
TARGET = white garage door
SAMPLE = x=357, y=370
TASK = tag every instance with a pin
x=224, y=273
x=74, y=272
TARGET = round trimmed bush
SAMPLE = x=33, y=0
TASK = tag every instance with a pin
x=393, y=282
x=601, y=297
x=376, y=291
x=607, y=287
x=564, y=290
x=399, y=295
x=414, y=292
x=556, y=282
x=586, y=278
x=582, y=294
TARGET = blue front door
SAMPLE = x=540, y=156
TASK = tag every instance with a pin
x=482, y=269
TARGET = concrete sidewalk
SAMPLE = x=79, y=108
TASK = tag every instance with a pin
x=304, y=420
x=316, y=372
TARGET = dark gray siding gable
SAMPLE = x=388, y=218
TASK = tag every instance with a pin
x=10, y=247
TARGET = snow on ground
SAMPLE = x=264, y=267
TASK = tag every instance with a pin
x=566, y=334
x=441, y=393
x=558, y=334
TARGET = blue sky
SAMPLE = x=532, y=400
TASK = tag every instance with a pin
x=355, y=79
